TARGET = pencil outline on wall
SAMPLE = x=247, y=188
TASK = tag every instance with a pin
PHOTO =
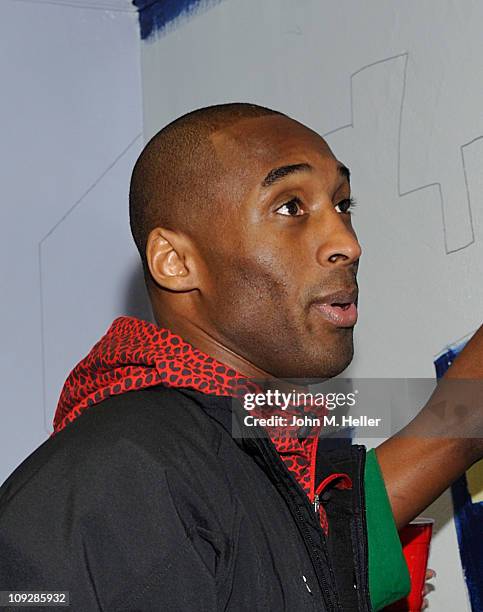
x=74, y=206
x=463, y=163
x=401, y=193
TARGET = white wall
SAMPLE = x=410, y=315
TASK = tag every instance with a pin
x=399, y=85
x=71, y=117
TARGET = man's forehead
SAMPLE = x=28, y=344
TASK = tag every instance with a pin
x=266, y=141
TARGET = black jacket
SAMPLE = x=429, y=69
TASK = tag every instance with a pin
x=147, y=503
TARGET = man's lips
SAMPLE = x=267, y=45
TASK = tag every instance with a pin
x=339, y=308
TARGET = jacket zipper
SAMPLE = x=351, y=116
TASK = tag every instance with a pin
x=292, y=490
x=316, y=503
x=362, y=565
x=331, y=598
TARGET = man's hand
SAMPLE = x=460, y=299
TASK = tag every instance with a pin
x=428, y=587
x=441, y=442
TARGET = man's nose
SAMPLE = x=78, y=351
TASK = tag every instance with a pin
x=339, y=245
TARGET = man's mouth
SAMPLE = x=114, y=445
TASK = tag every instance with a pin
x=339, y=308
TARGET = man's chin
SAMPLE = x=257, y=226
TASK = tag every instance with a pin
x=313, y=371
x=333, y=362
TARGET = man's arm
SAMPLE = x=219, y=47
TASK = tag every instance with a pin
x=441, y=443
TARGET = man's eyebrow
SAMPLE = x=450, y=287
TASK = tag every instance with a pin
x=279, y=173
x=344, y=171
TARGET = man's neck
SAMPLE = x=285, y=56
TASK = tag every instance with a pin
x=205, y=342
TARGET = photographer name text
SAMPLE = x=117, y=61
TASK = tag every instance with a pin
x=277, y=420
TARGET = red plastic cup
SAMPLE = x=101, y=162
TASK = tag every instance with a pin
x=415, y=538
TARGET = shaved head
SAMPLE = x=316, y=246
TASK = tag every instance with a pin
x=242, y=219
x=175, y=182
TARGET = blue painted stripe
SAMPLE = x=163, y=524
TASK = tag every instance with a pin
x=155, y=15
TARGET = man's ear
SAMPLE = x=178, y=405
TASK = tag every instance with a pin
x=170, y=259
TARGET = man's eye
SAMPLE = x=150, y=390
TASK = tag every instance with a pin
x=291, y=209
x=346, y=206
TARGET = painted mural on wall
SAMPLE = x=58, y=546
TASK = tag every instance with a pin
x=467, y=494
x=157, y=15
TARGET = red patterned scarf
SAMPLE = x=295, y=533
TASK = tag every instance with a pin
x=135, y=354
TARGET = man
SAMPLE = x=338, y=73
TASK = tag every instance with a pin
x=142, y=499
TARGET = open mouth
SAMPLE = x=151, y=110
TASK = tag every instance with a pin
x=341, y=306
x=341, y=314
